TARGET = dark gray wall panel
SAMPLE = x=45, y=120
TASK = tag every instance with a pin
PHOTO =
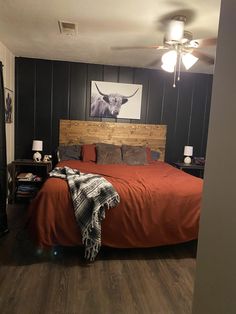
x=141, y=77
x=170, y=105
x=47, y=91
x=155, y=97
x=25, y=107
x=183, y=115
x=61, y=97
x=78, y=89
x=126, y=75
x=43, y=104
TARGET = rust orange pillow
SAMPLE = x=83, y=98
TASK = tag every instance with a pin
x=89, y=153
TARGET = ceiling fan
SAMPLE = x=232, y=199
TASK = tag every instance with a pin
x=180, y=46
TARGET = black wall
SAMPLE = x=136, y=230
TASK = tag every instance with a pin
x=47, y=91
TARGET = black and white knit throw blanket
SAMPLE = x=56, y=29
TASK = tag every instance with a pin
x=91, y=195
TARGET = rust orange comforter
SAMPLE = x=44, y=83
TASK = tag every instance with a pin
x=159, y=205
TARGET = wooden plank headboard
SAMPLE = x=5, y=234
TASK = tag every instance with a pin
x=88, y=132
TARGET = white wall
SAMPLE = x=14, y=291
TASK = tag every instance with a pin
x=8, y=60
x=215, y=283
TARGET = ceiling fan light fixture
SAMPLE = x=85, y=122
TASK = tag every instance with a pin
x=168, y=67
x=175, y=31
x=188, y=60
x=170, y=58
x=194, y=43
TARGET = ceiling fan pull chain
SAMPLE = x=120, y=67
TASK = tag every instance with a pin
x=174, y=77
x=179, y=57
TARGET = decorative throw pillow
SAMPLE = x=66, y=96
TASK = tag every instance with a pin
x=68, y=152
x=134, y=155
x=108, y=154
x=152, y=155
x=155, y=155
x=89, y=152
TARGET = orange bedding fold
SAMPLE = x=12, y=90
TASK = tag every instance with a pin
x=159, y=205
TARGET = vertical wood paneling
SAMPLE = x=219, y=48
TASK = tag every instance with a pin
x=155, y=97
x=60, y=98
x=169, y=111
x=110, y=73
x=183, y=118
x=43, y=110
x=25, y=110
x=141, y=77
x=78, y=88
x=197, y=114
x=126, y=75
x=62, y=90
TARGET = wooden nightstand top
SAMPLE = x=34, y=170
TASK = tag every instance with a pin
x=30, y=162
x=182, y=165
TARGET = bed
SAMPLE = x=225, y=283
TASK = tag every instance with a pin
x=159, y=204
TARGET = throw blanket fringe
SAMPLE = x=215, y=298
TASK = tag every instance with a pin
x=91, y=195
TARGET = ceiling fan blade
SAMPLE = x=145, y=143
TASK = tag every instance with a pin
x=203, y=57
x=204, y=42
x=154, y=62
x=138, y=47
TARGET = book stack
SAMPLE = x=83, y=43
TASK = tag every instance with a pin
x=25, y=176
x=28, y=177
x=26, y=185
x=26, y=191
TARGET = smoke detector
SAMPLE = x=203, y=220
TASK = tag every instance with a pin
x=68, y=28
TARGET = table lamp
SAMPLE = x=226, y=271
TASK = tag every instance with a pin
x=188, y=152
x=37, y=147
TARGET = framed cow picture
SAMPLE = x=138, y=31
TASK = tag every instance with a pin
x=115, y=100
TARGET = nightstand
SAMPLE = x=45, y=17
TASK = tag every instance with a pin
x=27, y=178
x=194, y=169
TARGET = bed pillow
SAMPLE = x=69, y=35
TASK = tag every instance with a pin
x=69, y=152
x=134, y=155
x=152, y=155
x=155, y=155
x=89, y=153
x=108, y=154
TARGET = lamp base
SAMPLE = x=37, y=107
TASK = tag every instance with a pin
x=37, y=157
x=187, y=160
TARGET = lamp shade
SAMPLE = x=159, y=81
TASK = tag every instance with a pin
x=188, y=150
x=168, y=68
x=37, y=145
x=170, y=58
x=188, y=60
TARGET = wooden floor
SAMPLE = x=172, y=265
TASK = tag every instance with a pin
x=157, y=280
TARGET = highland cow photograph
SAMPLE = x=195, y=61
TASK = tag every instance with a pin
x=115, y=100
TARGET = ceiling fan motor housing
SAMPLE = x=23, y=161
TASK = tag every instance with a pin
x=175, y=29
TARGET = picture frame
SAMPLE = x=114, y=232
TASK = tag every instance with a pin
x=115, y=100
x=8, y=105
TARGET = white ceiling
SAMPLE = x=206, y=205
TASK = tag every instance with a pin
x=29, y=28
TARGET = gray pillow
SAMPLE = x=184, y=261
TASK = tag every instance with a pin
x=134, y=155
x=69, y=152
x=108, y=154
